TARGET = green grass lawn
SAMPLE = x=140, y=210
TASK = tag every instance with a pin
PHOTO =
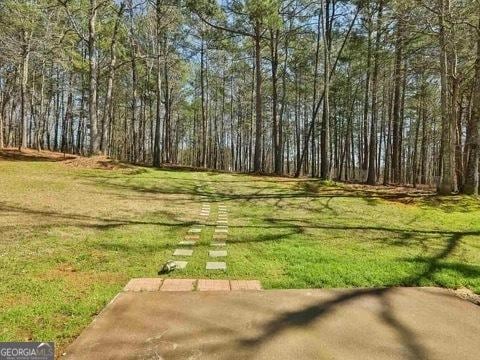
x=72, y=237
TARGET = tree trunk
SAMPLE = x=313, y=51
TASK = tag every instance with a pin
x=158, y=134
x=372, y=152
x=397, y=131
x=325, y=130
x=446, y=184
x=93, y=80
x=473, y=147
x=257, y=157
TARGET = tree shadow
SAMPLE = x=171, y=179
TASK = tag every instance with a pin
x=306, y=316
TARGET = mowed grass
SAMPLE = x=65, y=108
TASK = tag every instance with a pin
x=72, y=237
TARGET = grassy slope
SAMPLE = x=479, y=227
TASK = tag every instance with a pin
x=71, y=238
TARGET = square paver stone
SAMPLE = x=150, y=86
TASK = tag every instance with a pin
x=143, y=284
x=192, y=237
x=187, y=242
x=213, y=285
x=178, y=285
x=183, y=252
x=245, y=285
x=181, y=264
x=222, y=222
x=195, y=231
x=221, y=230
x=220, y=236
x=218, y=243
x=217, y=253
x=213, y=265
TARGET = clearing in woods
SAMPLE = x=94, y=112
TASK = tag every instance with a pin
x=75, y=230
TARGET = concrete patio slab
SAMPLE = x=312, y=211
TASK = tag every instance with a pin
x=374, y=324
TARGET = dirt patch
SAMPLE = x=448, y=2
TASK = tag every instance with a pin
x=97, y=162
x=94, y=162
x=10, y=154
x=81, y=281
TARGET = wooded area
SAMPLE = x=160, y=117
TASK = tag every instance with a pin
x=384, y=91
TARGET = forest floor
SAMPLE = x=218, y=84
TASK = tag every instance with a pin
x=73, y=231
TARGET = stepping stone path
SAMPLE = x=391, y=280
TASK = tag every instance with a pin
x=218, y=250
x=190, y=240
x=219, y=241
x=220, y=236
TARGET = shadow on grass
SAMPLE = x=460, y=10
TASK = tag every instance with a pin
x=301, y=189
x=305, y=317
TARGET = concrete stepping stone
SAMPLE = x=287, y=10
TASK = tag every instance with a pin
x=213, y=285
x=245, y=285
x=222, y=226
x=213, y=265
x=183, y=252
x=192, y=237
x=143, y=284
x=181, y=264
x=220, y=236
x=217, y=253
x=195, y=230
x=221, y=230
x=219, y=244
x=178, y=285
x=187, y=242
x=222, y=222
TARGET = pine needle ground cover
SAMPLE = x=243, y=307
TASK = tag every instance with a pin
x=72, y=236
